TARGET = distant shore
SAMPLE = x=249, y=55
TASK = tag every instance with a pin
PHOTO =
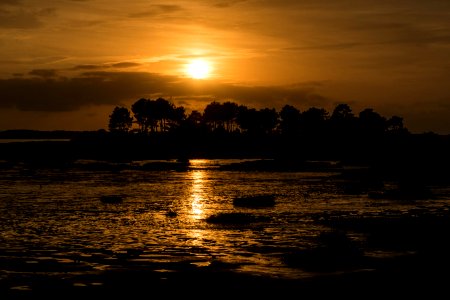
x=422, y=157
x=8, y=141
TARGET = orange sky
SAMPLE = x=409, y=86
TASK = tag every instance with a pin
x=65, y=64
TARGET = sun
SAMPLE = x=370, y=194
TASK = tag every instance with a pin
x=198, y=69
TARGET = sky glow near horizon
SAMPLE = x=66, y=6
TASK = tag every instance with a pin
x=67, y=64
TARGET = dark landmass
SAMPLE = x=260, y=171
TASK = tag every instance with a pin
x=40, y=134
x=422, y=157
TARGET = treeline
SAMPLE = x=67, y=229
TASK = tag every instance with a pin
x=149, y=117
x=225, y=129
x=160, y=129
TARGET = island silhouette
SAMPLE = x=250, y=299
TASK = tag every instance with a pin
x=158, y=129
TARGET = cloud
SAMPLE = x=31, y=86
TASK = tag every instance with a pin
x=125, y=64
x=119, y=65
x=35, y=60
x=353, y=4
x=229, y=3
x=115, y=88
x=45, y=73
x=337, y=46
x=19, y=16
x=406, y=29
x=10, y=2
x=157, y=9
x=88, y=67
x=302, y=95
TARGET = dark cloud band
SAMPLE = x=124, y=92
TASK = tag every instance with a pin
x=44, y=92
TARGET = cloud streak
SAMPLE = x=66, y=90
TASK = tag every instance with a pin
x=19, y=18
x=229, y=3
x=44, y=92
x=125, y=64
x=45, y=73
x=9, y=2
x=156, y=10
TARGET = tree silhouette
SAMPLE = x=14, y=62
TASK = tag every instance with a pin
x=269, y=119
x=213, y=115
x=371, y=123
x=195, y=118
x=291, y=133
x=395, y=125
x=342, y=112
x=313, y=121
x=120, y=120
x=163, y=111
x=157, y=115
x=176, y=117
x=246, y=118
x=229, y=114
x=290, y=120
x=342, y=122
x=142, y=113
x=257, y=122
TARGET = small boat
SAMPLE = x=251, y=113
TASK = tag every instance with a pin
x=255, y=201
x=111, y=199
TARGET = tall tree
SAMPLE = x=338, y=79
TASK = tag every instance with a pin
x=163, y=112
x=342, y=122
x=177, y=116
x=342, y=112
x=142, y=109
x=313, y=121
x=371, y=123
x=290, y=120
x=229, y=113
x=195, y=118
x=268, y=119
x=213, y=115
x=254, y=121
x=395, y=125
x=246, y=118
x=120, y=120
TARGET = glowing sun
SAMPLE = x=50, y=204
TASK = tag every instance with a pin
x=198, y=69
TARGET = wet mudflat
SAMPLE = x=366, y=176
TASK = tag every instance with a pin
x=59, y=238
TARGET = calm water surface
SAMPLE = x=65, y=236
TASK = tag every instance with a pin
x=57, y=215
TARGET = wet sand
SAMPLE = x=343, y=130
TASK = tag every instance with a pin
x=335, y=270
x=403, y=277
x=418, y=264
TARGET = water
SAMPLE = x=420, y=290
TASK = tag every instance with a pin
x=56, y=216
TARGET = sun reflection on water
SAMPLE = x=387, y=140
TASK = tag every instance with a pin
x=197, y=193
